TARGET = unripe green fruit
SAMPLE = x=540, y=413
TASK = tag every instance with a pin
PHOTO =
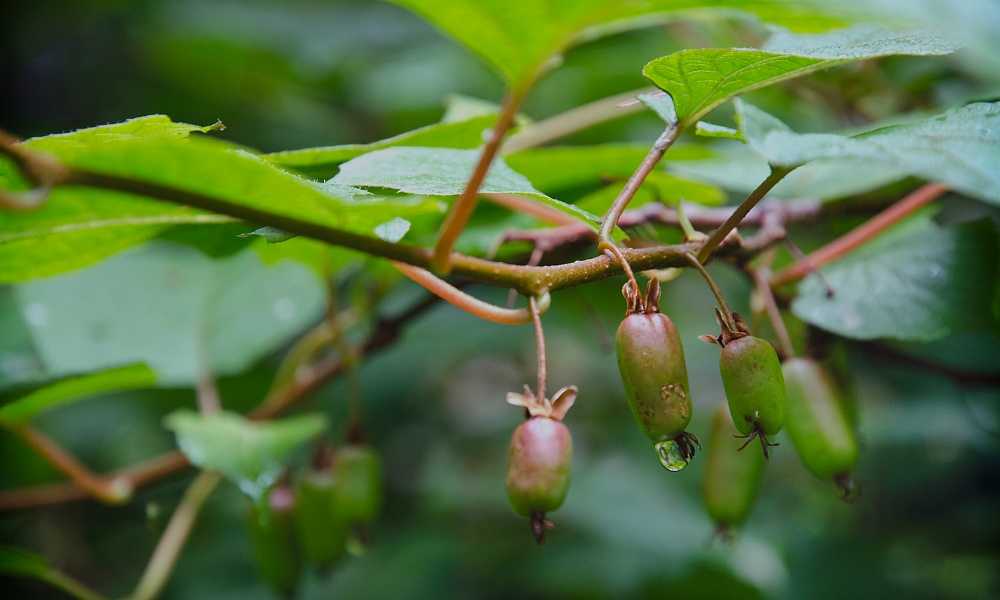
x=538, y=466
x=358, y=490
x=651, y=362
x=732, y=478
x=322, y=533
x=273, y=539
x=820, y=429
x=751, y=375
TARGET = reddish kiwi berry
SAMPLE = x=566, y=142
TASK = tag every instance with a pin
x=820, y=429
x=651, y=363
x=732, y=478
x=538, y=462
x=273, y=539
x=751, y=375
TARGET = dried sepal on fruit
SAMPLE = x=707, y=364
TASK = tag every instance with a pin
x=652, y=367
x=538, y=461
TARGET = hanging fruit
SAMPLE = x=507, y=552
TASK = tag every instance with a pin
x=732, y=478
x=818, y=425
x=538, y=462
x=651, y=363
x=272, y=536
x=321, y=531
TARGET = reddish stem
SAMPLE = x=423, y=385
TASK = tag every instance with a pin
x=470, y=304
x=462, y=209
x=111, y=490
x=856, y=237
x=633, y=184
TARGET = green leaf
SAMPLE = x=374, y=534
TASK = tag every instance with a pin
x=147, y=126
x=250, y=454
x=658, y=187
x=393, y=230
x=441, y=172
x=711, y=130
x=559, y=168
x=960, y=147
x=172, y=308
x=701, y=79
x=70, y=390
x=522, y=39
x=662, y=104
x=19, y=361
x=321, y=163
x=79, y=226
x=919, y=282
x=21, y=563
x=738, y=168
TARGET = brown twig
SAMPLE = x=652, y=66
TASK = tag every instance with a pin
x=856, y=237
x=385, y=332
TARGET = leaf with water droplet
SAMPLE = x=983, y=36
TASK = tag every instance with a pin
x=671, y=455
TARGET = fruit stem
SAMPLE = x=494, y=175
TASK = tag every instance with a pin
x=729, y=322
x=615, y=253
x=536, y=319
x=720, y=233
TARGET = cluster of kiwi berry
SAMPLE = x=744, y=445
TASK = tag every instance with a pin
x=314, y=518
x=764, y=396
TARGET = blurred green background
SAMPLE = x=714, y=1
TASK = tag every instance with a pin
x=292, y=74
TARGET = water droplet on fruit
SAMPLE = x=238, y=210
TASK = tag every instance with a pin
x=671, y=456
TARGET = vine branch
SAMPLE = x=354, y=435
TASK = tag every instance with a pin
x=529, y=280
x=836, y=249
x=112, y=490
